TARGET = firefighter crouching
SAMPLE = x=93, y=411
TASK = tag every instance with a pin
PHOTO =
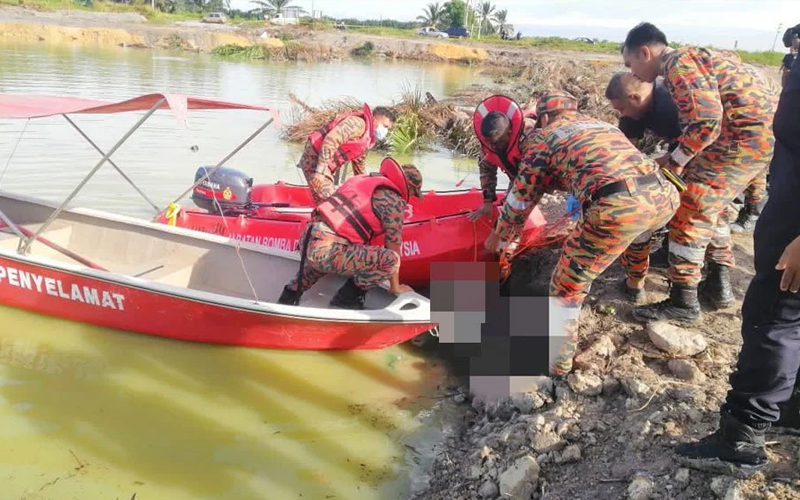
x=502, y=128
x=624, y=195
x=347, y=138
x=337, y=242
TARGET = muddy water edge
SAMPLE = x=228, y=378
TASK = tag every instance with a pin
x=90, y=412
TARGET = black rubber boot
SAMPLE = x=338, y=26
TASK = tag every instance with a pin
x=746, y=221
x=734, y=449
x=290, y=297
x=349, y=296
x=634, y=295
x=682, y=305
x=717, y=286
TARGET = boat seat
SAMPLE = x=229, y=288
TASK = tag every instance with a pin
x=172, y=273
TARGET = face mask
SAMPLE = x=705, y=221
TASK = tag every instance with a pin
x=381, y=132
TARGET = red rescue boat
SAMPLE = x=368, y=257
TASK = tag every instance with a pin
x=146, y=277
x=436, y=229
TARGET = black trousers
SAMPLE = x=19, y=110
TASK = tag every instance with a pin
x=770, y=356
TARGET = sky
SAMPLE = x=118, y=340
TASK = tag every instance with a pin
x=751, y=23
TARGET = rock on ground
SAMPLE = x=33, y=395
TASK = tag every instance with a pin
x=682, y=476
x=675, y=340
x=641, y=488
x=546, y=441
x=635, y=388
x=585, y=385
x=518, y=482
x=572, y=453
x=488, y=490
x=685, y=369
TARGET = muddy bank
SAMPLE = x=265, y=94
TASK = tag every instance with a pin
x=284, y=43
x=608, y=431
x=112, y=29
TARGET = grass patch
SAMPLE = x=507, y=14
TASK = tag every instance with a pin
x=765, y=58
x=233, y=51
x=364, y=50
x=291, y=51
x=556, y=43
x=381, y=31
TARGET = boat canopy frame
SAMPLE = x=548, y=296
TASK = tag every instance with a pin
x=14, y=106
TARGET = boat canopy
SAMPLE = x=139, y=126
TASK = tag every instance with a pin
x=28, y=106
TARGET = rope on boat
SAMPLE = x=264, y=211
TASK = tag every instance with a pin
x=550, y=235
x=8, y=162
x=237, y=244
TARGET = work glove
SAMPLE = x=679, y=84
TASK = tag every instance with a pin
x=572, y=204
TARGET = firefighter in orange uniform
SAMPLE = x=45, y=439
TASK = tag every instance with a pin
x=338, y=240
x=348, y=138
x=501, y=126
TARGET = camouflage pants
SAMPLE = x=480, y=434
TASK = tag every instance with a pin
x=700, y=230
x=618, y=225
x=321, y=188
x=754, y=194
x=757, y=189
x=368, y=265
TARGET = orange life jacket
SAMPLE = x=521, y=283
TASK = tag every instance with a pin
x=507, y=161
x=349, y=210
x=348, y=151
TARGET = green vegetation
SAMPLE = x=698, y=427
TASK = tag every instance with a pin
x=364, y=50
x=457, y=14
x=557, y=43
x=239, y=52
x=163, y=13
x=381, y=31
x=765, y=58
x=291, y=51
x=374, y=23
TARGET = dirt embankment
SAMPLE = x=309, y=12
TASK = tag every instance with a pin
x=133, y=30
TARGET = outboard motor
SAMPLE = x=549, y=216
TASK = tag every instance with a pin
x=225, y=192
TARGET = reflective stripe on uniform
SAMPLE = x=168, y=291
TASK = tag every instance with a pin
x=680, y=157
x=694, y=255
x=513, y=202
x=722, y=230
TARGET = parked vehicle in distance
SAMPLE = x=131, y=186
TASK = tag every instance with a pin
x=216, y=18
x=458, y=32
x=432, y=33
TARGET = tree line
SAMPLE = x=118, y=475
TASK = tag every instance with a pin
x=480, y=17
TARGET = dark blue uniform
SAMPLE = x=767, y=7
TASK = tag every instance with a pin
x=787, y=61
x=661, y=118
x=770, y=355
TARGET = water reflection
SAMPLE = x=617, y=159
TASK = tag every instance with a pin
x=160, y=157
